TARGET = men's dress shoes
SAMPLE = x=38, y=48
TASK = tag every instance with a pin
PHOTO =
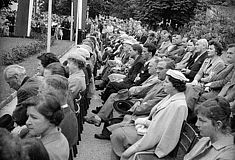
x=92, y=120
x=102, y=136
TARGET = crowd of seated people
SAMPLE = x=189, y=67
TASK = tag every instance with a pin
x=47, y=117
x=205, y=74
x=150, y=88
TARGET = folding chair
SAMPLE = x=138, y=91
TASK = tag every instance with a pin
x=188, y=138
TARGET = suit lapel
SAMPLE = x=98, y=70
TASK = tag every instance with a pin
x=136, y=61
x=202, y=56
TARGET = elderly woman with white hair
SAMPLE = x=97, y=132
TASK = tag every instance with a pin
x=160, y=131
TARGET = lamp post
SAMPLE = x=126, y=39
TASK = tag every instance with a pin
x=30, y=17
x=87, y=13
x=71, y=22
x=79, y=19
x=49, y=26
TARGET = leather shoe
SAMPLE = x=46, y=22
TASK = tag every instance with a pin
x=92, y=120
x=101, y=136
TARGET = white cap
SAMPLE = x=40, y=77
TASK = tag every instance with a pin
x=128, y=42
x=76, y=56
x=177, y=75
x=84, y=46
x=83, y=52
x=123, y=36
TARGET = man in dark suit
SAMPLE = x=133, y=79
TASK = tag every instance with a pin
x=149, y=50
x=58, y=86
x=128, y=81
x=194, y=66
x=15, y=76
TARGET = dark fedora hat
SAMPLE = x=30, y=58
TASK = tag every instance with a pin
x=7, y=122
x=122, y=106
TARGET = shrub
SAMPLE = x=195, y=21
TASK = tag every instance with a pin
x=217, y=25
x=19, y=53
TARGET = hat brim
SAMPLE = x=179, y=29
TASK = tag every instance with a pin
x=122, y=106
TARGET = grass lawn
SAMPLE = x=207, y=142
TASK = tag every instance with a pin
x=30, y=63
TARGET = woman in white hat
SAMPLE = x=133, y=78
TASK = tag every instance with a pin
x=160, y=131
x=77, y=82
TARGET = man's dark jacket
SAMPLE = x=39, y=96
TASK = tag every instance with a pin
x=134, y=70
x=29, y=87
x=69, y=126
x=144, y=75
x=127, y=82
x=195, y=66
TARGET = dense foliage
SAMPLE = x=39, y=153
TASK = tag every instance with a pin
x=217, y=25
x=19, y=53
x=151, y=12
x=6, y=3
x=186, y=16
x=59, y=7
x=174, y=12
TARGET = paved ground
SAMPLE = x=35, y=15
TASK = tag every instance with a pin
x=64, y=57
x=89, y=147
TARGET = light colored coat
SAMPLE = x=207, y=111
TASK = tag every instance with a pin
x=77, y=82
x=223, y=77
x=153, y=79
x=205, y=150
x=154, y=96
x=57, y=146
x=183, y=63
x=164, y=48
x=210, y=68
x=164, y=130
x=165, y=127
